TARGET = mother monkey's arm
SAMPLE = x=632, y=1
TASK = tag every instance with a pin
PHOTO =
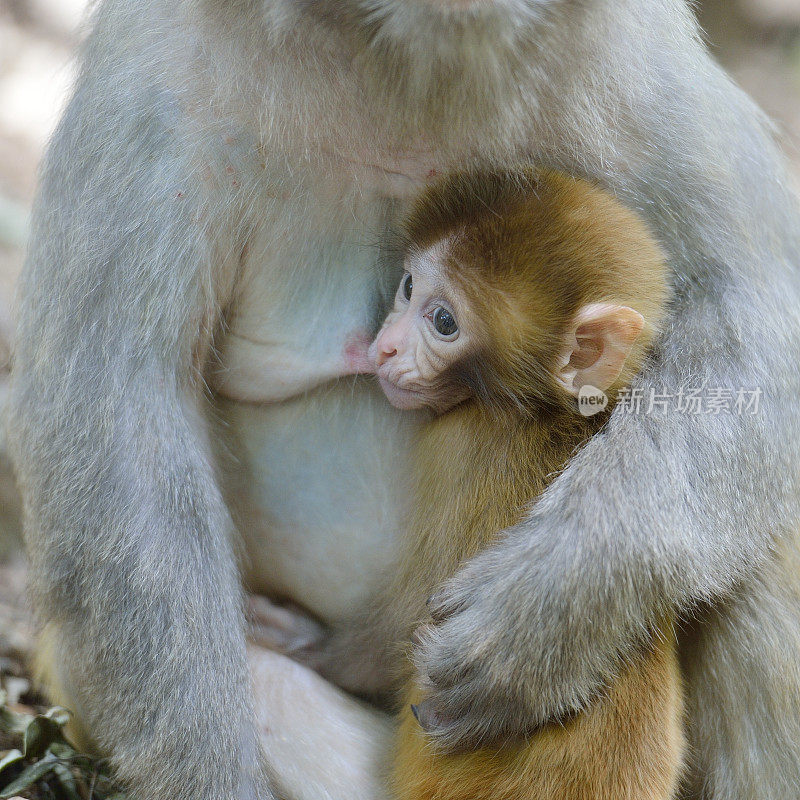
x=661, y=510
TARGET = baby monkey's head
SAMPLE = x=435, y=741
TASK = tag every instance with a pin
x=519, y=290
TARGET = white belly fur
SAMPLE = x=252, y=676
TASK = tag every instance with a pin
x=315, y=467
x=319, y=493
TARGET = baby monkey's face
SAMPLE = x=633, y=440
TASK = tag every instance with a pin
x=426, y=352
x=429, y=330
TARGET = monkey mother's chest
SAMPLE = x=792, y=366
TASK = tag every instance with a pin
x=312, y=460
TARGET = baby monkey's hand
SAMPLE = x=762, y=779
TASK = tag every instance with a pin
x=285, y=629
x=347, y=657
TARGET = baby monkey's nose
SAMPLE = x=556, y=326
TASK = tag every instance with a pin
x=387, y=343
x=385, y=351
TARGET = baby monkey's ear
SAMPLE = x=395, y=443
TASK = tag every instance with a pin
x=596, y=346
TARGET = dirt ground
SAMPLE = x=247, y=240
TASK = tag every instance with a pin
x=758, y=40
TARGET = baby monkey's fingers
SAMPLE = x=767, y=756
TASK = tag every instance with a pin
x=285, y=629
x=443, y=604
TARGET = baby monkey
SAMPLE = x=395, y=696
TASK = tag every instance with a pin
x=520, y=291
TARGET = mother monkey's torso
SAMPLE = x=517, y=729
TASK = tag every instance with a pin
x=312, y=477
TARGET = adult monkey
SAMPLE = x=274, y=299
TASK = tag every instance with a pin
x=234, y=161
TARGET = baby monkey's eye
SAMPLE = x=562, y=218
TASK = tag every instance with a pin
x=444, y=322
x=406, y=286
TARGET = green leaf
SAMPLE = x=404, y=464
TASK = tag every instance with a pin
x=11, y=757
x=67, y=781
x=62, y=750
x=61, y=716
x=39, y=735
x=30, y=775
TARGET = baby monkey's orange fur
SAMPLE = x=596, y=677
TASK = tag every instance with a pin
x=529, y=250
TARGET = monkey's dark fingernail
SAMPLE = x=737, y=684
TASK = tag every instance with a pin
x=435, y=608
x=426, y=716
x=415, y=712
x=419, y=634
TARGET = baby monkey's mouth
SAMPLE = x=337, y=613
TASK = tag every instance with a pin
x=415, y=399
x=399, y=397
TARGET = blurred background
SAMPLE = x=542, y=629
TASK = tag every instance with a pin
x=757, y=40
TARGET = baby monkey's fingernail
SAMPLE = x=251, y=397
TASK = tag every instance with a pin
x=426, y=716
x=419, y=633
x=435, y=609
